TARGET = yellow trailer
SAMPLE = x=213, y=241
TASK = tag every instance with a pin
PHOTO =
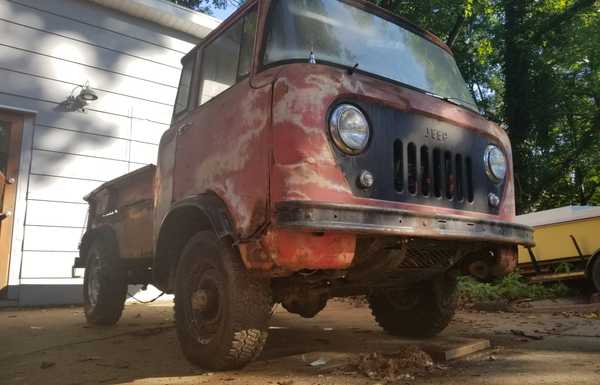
x=567, y=245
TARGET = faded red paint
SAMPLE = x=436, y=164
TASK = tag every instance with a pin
x=293, y=251
x=225, y=150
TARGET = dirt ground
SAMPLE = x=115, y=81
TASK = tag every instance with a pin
x=55, y=346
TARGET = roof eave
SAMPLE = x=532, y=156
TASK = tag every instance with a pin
x=166, y=14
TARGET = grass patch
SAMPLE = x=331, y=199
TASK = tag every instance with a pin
x=511, y=287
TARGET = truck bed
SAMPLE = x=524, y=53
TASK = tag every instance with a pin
x=126, y=205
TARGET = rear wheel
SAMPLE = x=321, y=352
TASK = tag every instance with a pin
x=104, y=285
x=221, y=310
x=418, y=312
x=596, y=274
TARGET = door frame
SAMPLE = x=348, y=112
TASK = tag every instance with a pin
x=16, y=124
x=29, y=116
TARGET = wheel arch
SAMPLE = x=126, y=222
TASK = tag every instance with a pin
x=104, y=232
x=183, y=221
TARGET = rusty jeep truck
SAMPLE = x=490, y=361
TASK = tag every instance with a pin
x=318, y=149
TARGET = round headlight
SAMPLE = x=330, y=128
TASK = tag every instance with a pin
x=495, y=163
x=349, y=129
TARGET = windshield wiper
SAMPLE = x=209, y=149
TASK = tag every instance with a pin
x=352, y=69
x=456, y=101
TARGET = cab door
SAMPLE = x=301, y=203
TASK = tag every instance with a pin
x=222, y=145
x=11, y=127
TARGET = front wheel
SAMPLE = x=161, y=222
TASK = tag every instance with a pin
x=417, y=312
x=221, y=310
x=104, y=285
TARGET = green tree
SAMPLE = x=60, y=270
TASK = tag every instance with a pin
x=206, y=5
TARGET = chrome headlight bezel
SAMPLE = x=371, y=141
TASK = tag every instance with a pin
x=496, y=163
x=341, y=138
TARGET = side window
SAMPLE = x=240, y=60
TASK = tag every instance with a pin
x=227, y=58
x=185, y=82
x=247, y=44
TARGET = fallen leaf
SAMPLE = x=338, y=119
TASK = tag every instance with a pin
x=521, y=333
x=47, y=364
x=319, y=362
x=92, y=358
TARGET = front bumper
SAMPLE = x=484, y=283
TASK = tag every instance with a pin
x=323, y=217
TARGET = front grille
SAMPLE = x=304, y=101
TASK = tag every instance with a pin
x=432, y=173
x=420, y=160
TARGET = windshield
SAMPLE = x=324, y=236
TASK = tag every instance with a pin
x=340, y=33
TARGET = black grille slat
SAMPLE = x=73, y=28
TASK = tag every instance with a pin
x=448, y=175
x=432, y=173
x=460, y=191
x=425, y=172
x=437, y=173
x=411, y=153
x=398, y=166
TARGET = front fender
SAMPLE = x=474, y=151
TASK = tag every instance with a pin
x=185, y=219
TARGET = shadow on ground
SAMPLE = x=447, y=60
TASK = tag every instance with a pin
x=55, y=346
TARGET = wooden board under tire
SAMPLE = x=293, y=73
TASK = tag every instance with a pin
x=451, y=348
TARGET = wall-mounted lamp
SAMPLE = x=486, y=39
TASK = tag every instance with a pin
x=79, y=101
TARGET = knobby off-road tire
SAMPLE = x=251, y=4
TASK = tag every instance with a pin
x=419, y=312
x=104, y=285
x=221, y=310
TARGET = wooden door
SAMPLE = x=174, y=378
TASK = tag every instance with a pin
x=11, y=129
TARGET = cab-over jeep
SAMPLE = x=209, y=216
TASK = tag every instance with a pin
x=318, y=149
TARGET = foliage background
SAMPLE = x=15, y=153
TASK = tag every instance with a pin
x=534, y=68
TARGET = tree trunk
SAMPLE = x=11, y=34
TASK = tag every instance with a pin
x=517, y=88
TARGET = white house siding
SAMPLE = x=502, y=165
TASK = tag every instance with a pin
x=48, y=48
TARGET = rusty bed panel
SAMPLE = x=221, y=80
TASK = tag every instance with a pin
x=126, y=204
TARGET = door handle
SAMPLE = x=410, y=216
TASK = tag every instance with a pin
x=183, y=128
x=10, y=181
x=5, y=215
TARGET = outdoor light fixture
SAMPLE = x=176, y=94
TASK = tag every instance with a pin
x=79, y=101
x=87, y=94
